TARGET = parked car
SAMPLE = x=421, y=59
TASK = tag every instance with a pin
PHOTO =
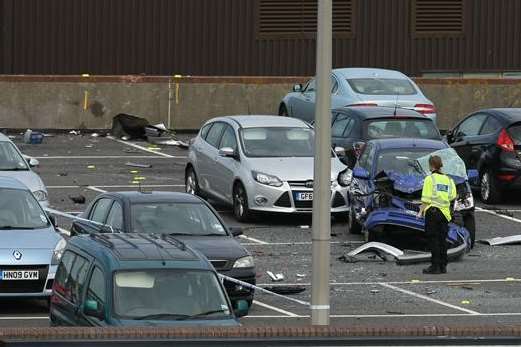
x=385, y=191
x=259, y=163
x=359, y=87
x=30, y=246
x=137, y=279
x=352, y=127
x=14, y=164
x=182, y=215
x=490, y=142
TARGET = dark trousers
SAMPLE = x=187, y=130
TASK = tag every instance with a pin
x=436, y=229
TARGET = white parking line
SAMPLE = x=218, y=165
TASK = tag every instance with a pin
x=103, y=157
x=512, y=219
x=424, y=315
x=24, y=318
x=273, y=308
x=259, y=242
x=146, y=149
x=424, y=297
x=500, y=280
x=297, y=243
x=121, y=186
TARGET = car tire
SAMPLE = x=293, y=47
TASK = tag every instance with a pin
x=191, y=182
x=489, y=189
x=241, y=210
x=353, y=226
x=469, y=222
x=283, y=111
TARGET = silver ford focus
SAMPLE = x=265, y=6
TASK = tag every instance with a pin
x=260, y=163
x=30, y=247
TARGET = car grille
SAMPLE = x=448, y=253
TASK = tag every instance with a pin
x=304, y=204
x=338, y=200
x=299, y=184
x=219, y=264
x=283, y=201
x=22, y=286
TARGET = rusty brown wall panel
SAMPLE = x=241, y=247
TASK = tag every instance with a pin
x=218, y=37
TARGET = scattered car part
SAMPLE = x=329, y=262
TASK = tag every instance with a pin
x=77, y=199
x=143, y=166
x=499, y=241
x=286, y=290
x=275, y=277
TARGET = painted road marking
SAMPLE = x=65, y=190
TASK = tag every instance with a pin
x=405, y=315
x=273, y=308
x=298, y=243
x=259, y=242
x=24, y=318
x=424, y=297
x=512, y=219
x=146, y=149
x=103, y=157
x=515, y=280
x=120, y=186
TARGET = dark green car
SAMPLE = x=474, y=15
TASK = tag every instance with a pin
x=135, y=279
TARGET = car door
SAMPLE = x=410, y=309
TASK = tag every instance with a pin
x=486, y=138
x=96, y=291
x=226, y=166
x=465, y=135
x=97, y=214
x=304, y=103
x=209, y=151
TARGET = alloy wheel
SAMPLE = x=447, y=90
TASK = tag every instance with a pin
x=485, y=186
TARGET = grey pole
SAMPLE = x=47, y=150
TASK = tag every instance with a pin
x=322, y=170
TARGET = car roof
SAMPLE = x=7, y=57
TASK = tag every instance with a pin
x=11, y=183
x=404, y=143
x=267, y=121
x=145, y=248
x=373, y=112
x=510, y=115
x=361, y=72
x=136, y=197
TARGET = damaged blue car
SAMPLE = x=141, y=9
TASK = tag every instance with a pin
x=385, y=194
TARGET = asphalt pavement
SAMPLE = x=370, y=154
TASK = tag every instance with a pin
x=483, y=287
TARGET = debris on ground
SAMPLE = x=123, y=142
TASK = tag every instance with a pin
x=285, y=290
x=375, y=291
x=499, y=241
x=94, y=135
x=77, y=199
x=143, y=166
x=89, y=146
x=91, y=167
x=75, y=132
x=301, y=275
x=170, y=142
x=465, y=302
x=429, y=291
x=275, y=277
x=62, y=174
x=33, y=137
x=127, y=127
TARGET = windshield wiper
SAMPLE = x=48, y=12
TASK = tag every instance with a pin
x=181, y=234
x=163, y=315
x=203, y=314
x=15, y=169
x=10, y=227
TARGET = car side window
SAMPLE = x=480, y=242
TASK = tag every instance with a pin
x=310, y=88
x=228, y=139
x=96, y=289
x=204, y=130
x=471, y=126
x=71, y=276
x=365, y=158
x=100, y=210
x=341, y=125
x=115, y=218
x=214, y=135
x=63, y=274
x=491, y=126
x=334, y=84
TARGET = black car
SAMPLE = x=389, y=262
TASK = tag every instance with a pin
x=187, y=217
x=353, y=126
x=490, y=142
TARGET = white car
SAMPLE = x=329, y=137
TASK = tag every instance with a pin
x=14, y=164
x=260, y=163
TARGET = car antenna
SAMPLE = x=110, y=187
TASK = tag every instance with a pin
x=395, y=105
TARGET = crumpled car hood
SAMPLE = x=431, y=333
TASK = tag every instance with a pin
x=409, y=183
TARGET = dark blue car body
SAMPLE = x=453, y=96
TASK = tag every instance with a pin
x=377, y=211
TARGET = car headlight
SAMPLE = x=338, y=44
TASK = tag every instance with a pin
x=464, y=203
x=266, y=179
x=40, y=195
x=345, y=177
x=244, y=262
x=58, y=252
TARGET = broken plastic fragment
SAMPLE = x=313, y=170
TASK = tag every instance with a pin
x=91, y=167
x=465, y=302
x=275, y=278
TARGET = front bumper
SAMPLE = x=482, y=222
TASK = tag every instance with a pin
x=284, y=198
x=236, y=291
x=42, y=288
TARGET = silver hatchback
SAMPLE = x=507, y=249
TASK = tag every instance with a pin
x=259, y=163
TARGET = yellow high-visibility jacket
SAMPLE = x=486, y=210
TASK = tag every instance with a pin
x=438, y=191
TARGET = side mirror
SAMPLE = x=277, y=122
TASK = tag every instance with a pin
x=236, y=231
x=473, y=176
x=93, y=309
x=52, y=218
x=33, y=162
x=227, y=152
x=297, y=88
x=241, y=308
x=340, y=151
x=360, y=173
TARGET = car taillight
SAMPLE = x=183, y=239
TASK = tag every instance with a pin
x=425, y=108
x=505, y=141
x=363, y=104
x=506, y=177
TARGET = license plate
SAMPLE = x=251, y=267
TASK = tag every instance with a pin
x=19, y=275
x=304, y=196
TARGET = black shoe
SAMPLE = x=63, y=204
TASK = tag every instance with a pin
x=432, y=270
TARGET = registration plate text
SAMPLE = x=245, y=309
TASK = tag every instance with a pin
x=304, y=196
x=19, y=275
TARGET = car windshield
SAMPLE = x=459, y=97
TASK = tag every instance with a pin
x=401, y=161
x=382, y=86
x=10, y=158
x=176, y=218
x=277, y=142
x=20, y=210
x=452, y=164
x=408, y=128
x=168, y=294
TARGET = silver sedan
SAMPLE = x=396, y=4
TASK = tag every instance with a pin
x=259, y=163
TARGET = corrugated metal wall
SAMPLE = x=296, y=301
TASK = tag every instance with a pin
x=218, y=37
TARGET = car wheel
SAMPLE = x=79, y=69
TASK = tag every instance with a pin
x=240, y=203
x=353, y=226
x=283, y=111
x=191, y=183
x=490, y=193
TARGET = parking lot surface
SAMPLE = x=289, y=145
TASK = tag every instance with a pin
x=483, y=287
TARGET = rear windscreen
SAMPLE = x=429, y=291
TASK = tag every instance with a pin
x=382, y=86
x=408, y=128
x=515, y=133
